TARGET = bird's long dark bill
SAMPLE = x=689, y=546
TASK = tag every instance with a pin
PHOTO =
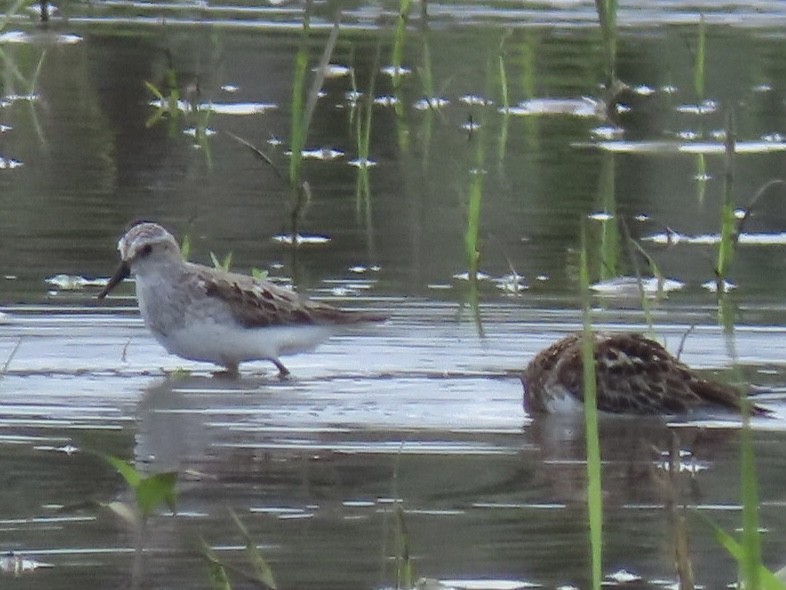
x=122, y=272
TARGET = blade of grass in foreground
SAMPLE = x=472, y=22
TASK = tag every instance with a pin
x=594, y=499
x=751, y=544
x=767, y=579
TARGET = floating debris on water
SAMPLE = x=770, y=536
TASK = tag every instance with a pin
x=435, y=102
x=511, y=284
x=470, y=125
x=387, y=101
x=470, y=584
x=676, y=147
x=671, y=238
x=42, y=38
x=705, y=108
x=300, y=240
x=712, y=286
x=632, y=286
x=194, y=132
x=623, y=577
x=335, y=71
x=353, y=96
x=325, y=154
x=362, y=268
x=66, y=282
x=607, y=132
x=395, y=71
x=219, y=108
x=600, y=216
x=362, y=163
x=575, y=107
x=474, y=100
x=16, y=564
x=464, y=276
x=9, y=163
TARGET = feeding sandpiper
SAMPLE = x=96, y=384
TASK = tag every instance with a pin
x=206, y=314
x=634, y=375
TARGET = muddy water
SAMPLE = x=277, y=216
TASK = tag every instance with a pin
x=422, y=414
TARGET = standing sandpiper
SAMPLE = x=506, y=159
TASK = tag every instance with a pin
x=634, y=375
x=206, y=314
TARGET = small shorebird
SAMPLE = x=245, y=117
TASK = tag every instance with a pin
x=634, y=375
x=206, y=314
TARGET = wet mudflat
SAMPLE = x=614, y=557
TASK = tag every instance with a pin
x=495, y=148
x=419, y=413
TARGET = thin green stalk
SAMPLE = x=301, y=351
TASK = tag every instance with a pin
x=473, y=214
x=404, y=570
x=699, y=65
x=607, y=15
x=297, y=136
x=643, y=299
x=751, y=543
x=11, y=356
x=399, y=39
x=12, y=11
x=594, y=497
x=610, y=238
x=726, y=244
x=505, y=96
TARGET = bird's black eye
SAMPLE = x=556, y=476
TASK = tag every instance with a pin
x=147, y=249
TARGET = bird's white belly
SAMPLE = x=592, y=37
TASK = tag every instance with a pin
x=218, y=343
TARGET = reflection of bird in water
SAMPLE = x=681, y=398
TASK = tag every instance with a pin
x=634, y=375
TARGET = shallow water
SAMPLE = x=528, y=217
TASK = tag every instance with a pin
x=423, y=412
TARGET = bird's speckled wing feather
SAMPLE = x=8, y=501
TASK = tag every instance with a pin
x=258, y=304
x=637, y=375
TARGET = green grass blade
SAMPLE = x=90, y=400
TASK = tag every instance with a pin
x=607, y=15
x=699, y=65
x=594, y=497
x=404, y=570
x=297, y=133
x=751, y=543
x=473, y=223
x=185, y=246
x=261, y=567
x=217, y=574
x=727, y=230
x=767, y=579
x=13, y=11
x=124, y=468
x=398, y=40
x=156, y=490
x=319, y=78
